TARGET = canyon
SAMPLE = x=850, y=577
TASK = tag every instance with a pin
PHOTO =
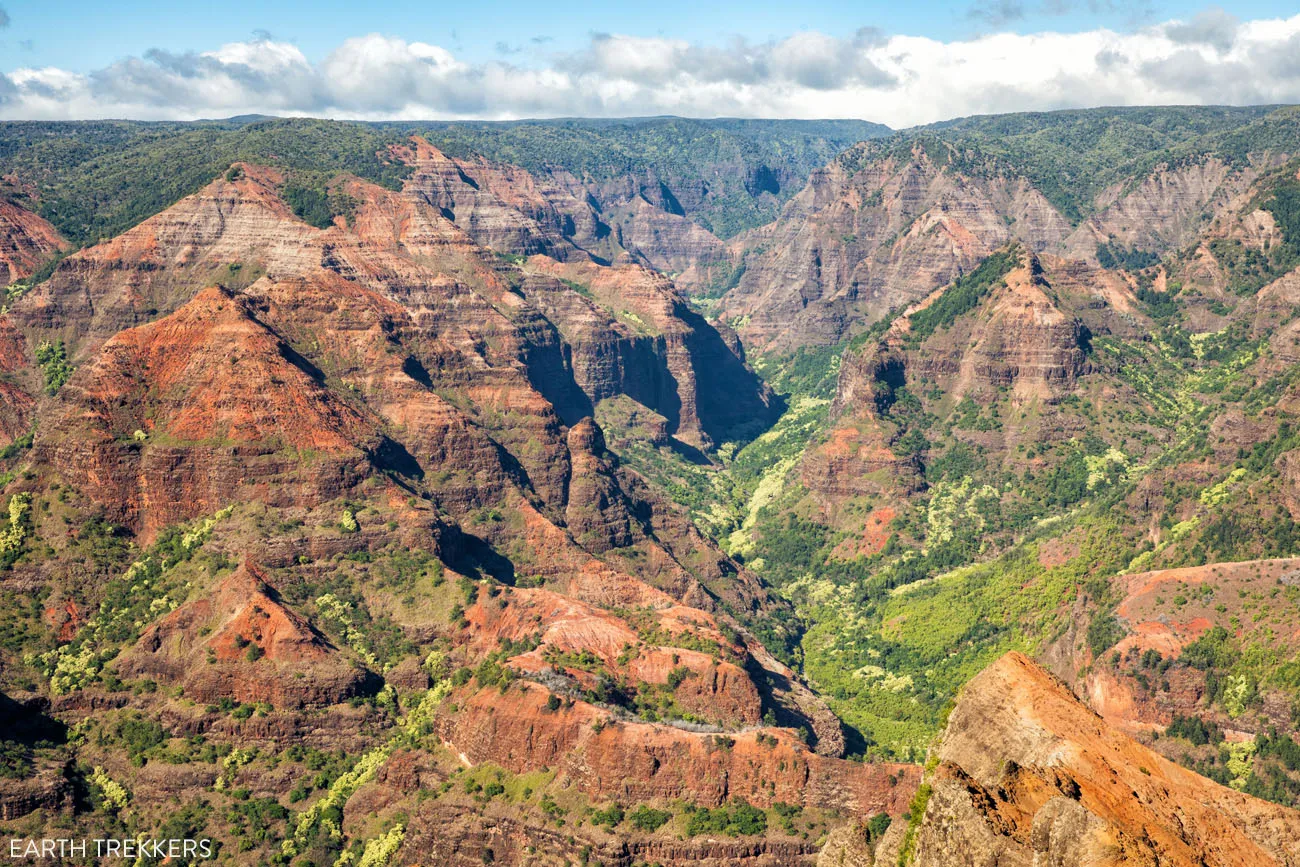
x=905, y=506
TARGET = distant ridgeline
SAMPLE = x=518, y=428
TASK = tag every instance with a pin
x=95, y=179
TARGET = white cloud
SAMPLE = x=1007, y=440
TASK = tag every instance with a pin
x=899, y=80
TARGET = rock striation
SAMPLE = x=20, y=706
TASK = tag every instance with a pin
x=243, y=643
x=1027, y=774
x=27, y=241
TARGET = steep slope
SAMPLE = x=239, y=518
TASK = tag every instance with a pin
x=870, y=233
x=723, y=175
x=172, y=418
x=994, y=375
x=1027, y=773
x=260, y=651
x=17, y=403
x=26, y=242
x=556, y=214
x=389, y=426
x=1166, y=211
x=406, y=311
x=887, y=222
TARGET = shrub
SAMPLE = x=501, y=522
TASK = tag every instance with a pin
x=1104, y=632
x=648, y=819
x=53, y=361
x=610, y=816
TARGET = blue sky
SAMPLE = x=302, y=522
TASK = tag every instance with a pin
x=899, y=62
x=80, y=36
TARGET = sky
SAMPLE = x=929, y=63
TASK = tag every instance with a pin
x=899, y=63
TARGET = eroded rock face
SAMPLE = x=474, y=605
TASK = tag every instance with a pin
x=561, y=216
x=402, y=307
x=1153, y=622
x=1020, y=340
x=27, y=241
x=159, y=265
x=456, y=836
x=635, y=762
x=661, y=353
x=243, y=643
x=16, y=402
x=869, y=235
x=501, y=207
x=1166, y=210
x=875, y=232
x=203, y=408
x=1027, y=774
x=1017, y=345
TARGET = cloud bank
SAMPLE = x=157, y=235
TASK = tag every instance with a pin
x=898, y=80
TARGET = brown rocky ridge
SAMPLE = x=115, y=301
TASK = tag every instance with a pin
x=1028, y=774
x=27, y=241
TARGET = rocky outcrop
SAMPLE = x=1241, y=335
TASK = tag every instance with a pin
x=857, y=459
x=659, y=352
x=1015, y=345
x=49, y=790
x=243, y=643
x=16, y=403
x=556, y=214
x=1019, y=340
x=159, y=265
x=877, y=230
x=27, y=242
x=499, y=206
x=580, y=643
x=1028, y=774
x=201, y=409
x=400, y=308
x=630, y=761
x=667, y=242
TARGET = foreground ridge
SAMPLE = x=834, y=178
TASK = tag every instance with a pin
x=1027, y=774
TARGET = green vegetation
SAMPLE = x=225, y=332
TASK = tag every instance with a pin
x=1112, y=255
x=648, y=819
x=738, y=819
x=96, y=179
x=55, y=367
x=1248, y=270
x=1195, y=730
x=963, y=295
x=1071, y=156
x=915, y=811
x=311, y=205
x=154, y=583
x=14, y=530
x=316, y=201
